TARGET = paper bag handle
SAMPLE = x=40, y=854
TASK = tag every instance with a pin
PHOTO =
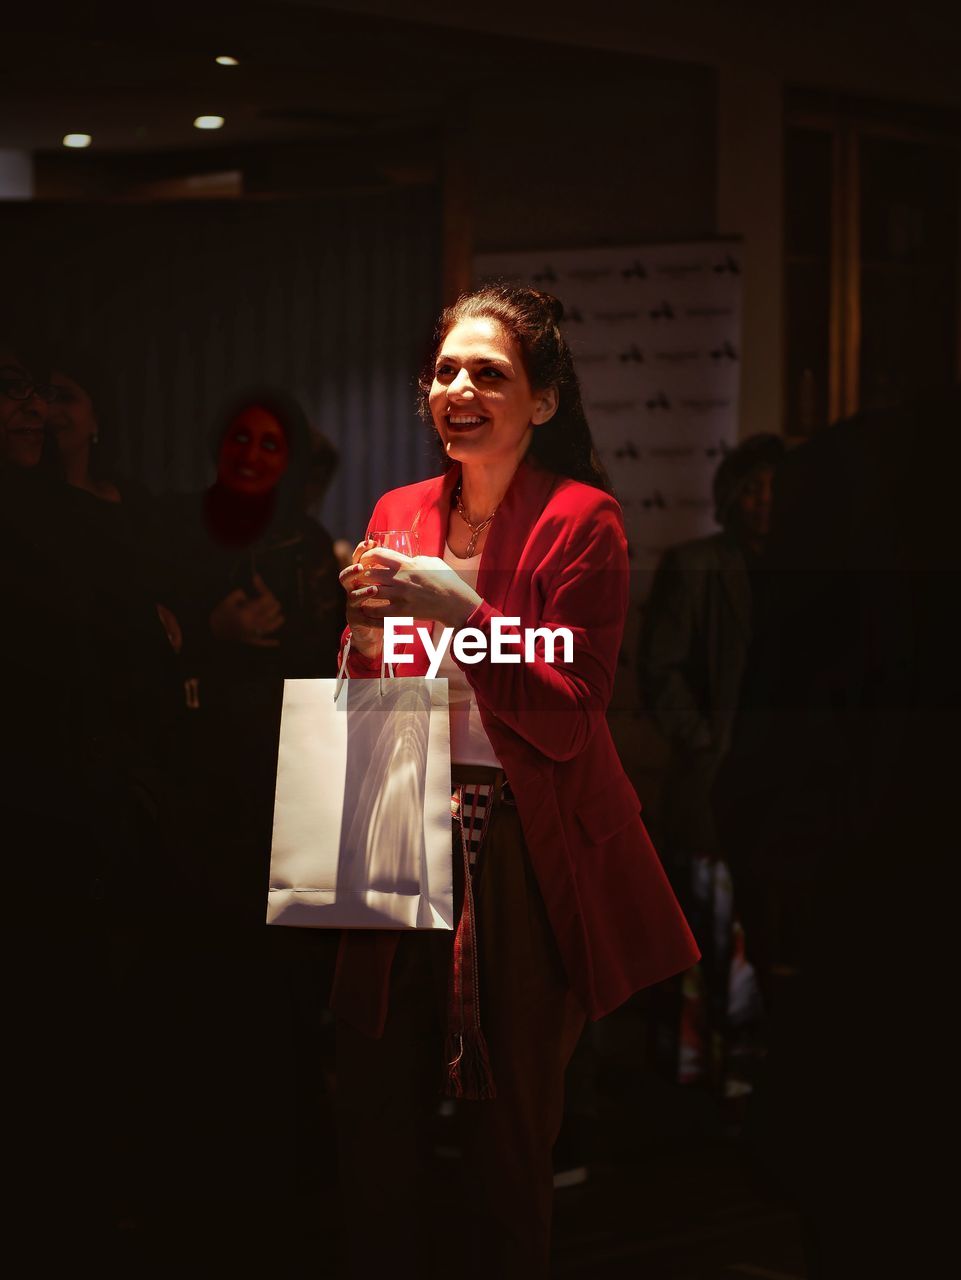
x=343, y=675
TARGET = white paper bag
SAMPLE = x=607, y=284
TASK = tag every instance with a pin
x=362, y=822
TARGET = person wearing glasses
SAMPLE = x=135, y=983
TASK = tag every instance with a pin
x=23, y=413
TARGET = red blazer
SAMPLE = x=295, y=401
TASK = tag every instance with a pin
x=555, y=555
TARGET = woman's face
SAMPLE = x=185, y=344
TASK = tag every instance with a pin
x=71, y=416
x=481, y=400
x=254, y=453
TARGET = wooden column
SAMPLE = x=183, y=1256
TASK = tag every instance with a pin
x=458, y=213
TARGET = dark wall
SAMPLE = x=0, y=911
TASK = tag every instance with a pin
x=183, y=305
x=597, y=150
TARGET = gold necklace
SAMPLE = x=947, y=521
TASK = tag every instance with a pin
x=475, y=529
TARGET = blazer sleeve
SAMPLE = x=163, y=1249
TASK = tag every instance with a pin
x=557, y=706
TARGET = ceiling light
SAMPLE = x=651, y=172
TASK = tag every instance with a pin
x=78, y=140
x=225, y=60
x=209, y=122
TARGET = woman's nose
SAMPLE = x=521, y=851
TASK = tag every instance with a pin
x=461, y=385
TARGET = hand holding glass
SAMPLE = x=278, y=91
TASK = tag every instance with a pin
x=402, y=540
x=364, y=611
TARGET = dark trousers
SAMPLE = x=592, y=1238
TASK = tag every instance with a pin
x=387, y=1089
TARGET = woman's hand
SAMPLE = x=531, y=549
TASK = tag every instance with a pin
x=364, y=613
x=423, y=587
x=239, y=620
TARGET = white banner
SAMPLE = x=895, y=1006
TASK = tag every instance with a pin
x=655, y=332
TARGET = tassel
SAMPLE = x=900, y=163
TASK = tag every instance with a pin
x=469, y=1067
x=466, y=1054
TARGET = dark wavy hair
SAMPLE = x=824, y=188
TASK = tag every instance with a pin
x=563, y=444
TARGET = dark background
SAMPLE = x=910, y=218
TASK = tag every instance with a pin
x=368, y=151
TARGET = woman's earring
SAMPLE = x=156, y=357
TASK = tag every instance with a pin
x=95, y=438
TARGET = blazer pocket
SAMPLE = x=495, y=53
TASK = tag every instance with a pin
x=602, y=814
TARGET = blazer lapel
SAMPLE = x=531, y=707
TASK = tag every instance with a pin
x=429, y=522
x=517, y=514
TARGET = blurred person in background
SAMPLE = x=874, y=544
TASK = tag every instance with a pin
x=836, y=809
x=78, y=815
x=253, y=583
x=693, y=645
x=254, y=586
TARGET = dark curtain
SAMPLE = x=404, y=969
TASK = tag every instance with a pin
x=183, y=305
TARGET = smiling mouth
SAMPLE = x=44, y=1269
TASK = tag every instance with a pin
x=463, y=422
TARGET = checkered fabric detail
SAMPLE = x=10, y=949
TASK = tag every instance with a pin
x=469, y=805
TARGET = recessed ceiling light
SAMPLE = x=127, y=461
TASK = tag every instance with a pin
x=78, y=140
x=225, y=60
x=209, y=122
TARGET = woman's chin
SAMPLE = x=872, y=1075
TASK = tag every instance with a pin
x=463, y=448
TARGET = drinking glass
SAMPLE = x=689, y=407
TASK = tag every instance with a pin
x=402, y=540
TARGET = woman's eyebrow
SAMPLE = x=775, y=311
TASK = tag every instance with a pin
x=475, y=360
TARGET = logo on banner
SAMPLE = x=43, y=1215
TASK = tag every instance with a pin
x=724, y=352
x=633, y=355
x=728, y=265
x=627, y=450
x=546, y=275
x=658, y=401
x=636, y=271
x=720, y=450
x=654, y=502
x=664, y=312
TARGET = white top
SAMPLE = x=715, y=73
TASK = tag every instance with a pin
x=469, y=744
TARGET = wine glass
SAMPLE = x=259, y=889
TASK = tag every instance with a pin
x=402, y=540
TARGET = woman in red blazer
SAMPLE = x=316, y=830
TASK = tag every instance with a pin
x=568, y=911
